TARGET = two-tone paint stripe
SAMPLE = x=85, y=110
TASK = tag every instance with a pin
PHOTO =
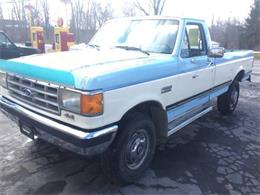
x=119, y=74
x=181, y=108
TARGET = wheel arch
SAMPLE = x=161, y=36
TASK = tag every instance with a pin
x=155, y=111
x=240, y=75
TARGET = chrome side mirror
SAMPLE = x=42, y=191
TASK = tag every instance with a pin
x=216, y=52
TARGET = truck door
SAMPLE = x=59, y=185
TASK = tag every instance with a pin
x=198, y=72
x=200, y=69
x=193, y=86
x=8, y=49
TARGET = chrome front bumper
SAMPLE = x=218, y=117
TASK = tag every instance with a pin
x=84, y=142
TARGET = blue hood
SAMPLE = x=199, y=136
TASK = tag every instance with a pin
x=91, y=69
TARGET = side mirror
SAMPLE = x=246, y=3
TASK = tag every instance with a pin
x=216, y=52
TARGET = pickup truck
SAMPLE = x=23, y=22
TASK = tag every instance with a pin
x=136, y=83
x=9, y=50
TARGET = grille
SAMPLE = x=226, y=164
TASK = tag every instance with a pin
x=35, y=93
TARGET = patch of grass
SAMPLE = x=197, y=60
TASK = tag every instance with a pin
x=257, y=56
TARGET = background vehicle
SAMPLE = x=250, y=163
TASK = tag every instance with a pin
x=9, y=49
x=126, y=92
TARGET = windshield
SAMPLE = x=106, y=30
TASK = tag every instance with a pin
x=156, y=36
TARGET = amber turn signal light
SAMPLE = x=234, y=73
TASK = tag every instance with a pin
x=91, y=104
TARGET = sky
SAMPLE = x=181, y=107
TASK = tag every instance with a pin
x=201, y=9
x=207, y=9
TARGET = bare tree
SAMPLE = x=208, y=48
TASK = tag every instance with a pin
x=227, y=33
x=77, y=16
x=87, y=16
x=1, y=12
x=43, y=7
x=44, y=11
x=150, y=7
x=18, y=9
x=102, y=14
x=129, y=10
x=66, y=2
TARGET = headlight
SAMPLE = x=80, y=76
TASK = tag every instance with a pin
x=86, y=104
x=3, y=79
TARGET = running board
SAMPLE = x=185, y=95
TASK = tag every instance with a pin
x=190, y=120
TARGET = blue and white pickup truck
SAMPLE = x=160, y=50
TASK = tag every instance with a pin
x=136, y=83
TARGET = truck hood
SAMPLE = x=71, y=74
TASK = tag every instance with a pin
x=88, y=69
x=74, y=60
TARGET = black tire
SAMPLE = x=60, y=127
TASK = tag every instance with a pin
x=117, y=162
x=228, y=101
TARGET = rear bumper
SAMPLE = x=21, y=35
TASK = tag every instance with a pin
x=71, y=138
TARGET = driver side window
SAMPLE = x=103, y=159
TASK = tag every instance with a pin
x=185, y=48
x=194, y=41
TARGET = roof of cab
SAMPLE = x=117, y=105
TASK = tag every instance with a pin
x=158, y=18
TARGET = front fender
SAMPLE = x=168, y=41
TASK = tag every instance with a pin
x=118, y=102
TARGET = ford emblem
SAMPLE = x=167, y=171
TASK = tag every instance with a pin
x=27, y=92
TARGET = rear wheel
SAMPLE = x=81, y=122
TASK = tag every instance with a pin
x=133, y=150
x=227, y=102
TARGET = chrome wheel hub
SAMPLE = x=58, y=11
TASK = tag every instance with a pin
x=137, y=149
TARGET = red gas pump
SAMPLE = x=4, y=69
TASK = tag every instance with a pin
x=63, y=38
x=37, y=38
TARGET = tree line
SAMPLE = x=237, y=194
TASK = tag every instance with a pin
x=86, y=16
x=92, y=14
x=234, y=34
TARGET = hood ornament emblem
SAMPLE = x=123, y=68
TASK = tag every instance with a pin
x=27, y=92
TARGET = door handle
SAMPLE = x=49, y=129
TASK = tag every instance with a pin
x=210, y=62
x=195, y=76
x=193, y=61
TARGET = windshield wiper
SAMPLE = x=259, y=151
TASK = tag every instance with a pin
x=130, y=48
x=94, y=46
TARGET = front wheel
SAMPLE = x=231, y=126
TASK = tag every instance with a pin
x=227, y=102
x=133, y=150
